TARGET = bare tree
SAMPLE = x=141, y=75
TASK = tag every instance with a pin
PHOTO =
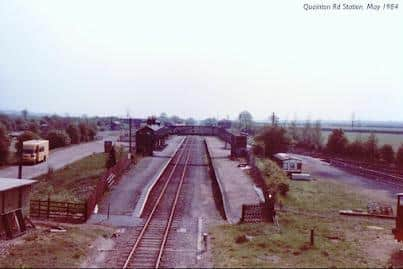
x=24, y=114
x=245, y=120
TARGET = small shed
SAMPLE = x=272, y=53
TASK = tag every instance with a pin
x=150, y=138
x=238, y=144
x=14, y=203
x=288, y=163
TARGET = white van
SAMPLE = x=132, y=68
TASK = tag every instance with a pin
x=35, y=151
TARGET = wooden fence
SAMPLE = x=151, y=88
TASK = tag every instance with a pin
x=109, y=178
x=78, y=212
x=58, y=211
x=362, y=171
x=255, y=213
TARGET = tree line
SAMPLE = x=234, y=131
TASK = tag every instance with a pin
x=276, y=138
x=60, y=131
x=363, y=149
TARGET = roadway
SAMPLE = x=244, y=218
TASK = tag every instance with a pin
x=60, y=157
x=320, y=169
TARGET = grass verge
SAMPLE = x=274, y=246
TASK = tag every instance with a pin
x=43, y=249
x=74, y=182
x=340, y=241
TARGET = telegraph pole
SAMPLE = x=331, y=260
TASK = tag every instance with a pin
x=130, y=137
x=20, y=160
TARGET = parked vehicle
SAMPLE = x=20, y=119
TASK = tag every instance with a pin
x=289, y=164
x=35, y=151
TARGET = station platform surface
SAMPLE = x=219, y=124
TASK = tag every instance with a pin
x=125, y=199
x=236, y=186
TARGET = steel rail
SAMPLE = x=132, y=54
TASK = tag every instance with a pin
x=151, y=215
x=171, y=215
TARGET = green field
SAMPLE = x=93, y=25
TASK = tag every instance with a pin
x=393, y=139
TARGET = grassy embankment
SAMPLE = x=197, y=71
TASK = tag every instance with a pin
x=43, y=249
x=339, y=241
x=74, y=182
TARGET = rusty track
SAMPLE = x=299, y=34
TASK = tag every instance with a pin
x=150, y=243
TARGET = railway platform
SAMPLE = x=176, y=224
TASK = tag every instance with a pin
x=236, y=186
x=125, y=200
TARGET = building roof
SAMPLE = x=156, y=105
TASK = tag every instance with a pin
x=284, y=156
x=16, y=134
x=154, y=128
x=34, y=141
x=13, y=183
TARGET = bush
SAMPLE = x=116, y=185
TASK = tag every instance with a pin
x=111, y=161
x=58, y=139
x=4, y=144
x=7, y=122
x=283, y=188
x=275, y=178
x=356, y=149
x=258, y=150
x=34, y=127
x=27, y=135
x=387, y=153
x=371, y=148
x=399, y=157
x=92, y=133
x=74, y=132
x=337, y=142
x=275, y=140
x=83, y=132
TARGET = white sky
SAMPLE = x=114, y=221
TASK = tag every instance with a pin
x=200, y=59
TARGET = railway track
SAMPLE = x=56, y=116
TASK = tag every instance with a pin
x=148, y=246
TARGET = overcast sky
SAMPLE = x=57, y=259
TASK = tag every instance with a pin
x=200, y=59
